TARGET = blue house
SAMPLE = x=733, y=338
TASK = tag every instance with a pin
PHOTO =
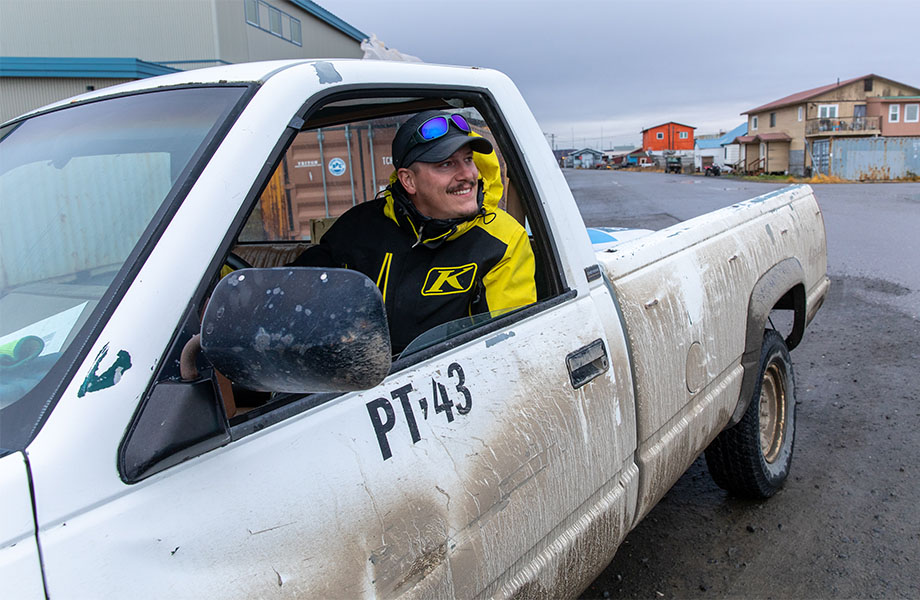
x=718, y=151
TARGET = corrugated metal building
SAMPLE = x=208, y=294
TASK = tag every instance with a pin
x=53, y=49
x=869, y=159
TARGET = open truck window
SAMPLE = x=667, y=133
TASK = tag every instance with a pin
x=338, y=159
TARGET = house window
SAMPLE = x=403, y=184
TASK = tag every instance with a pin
x=867, y=85
x=894, y=113
x=911, y=113
x=683, y=135
x=772, y=119
x=274, y=18
x=801, y=113
x=295, y=32
x=252, y=12
x=754, y=122
x=827, y=111
x=659, y=135
x=265, y=17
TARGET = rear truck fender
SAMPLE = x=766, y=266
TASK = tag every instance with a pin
x=782, y=287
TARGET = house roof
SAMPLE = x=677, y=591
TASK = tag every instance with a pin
x=807, y=94
x=667, y=123
x=591, y=150
x=727, y=138
x=778, y=136
x=762, y=137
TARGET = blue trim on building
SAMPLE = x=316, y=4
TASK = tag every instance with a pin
x=59, y=66
x=216, y=61
x=324, y=15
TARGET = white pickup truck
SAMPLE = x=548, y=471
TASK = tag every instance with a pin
x=164, y=435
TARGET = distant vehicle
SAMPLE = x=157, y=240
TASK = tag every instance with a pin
x=713, y=170
x=673, y=164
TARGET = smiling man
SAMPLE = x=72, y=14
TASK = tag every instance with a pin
x=435, y=241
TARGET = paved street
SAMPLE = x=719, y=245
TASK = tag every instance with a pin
x=846, y=525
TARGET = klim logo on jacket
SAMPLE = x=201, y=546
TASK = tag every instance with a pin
x=442, y=281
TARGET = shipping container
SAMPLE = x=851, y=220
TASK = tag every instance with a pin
x=325, y=172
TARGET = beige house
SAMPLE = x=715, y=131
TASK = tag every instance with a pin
x=54, y=49
x=782, y=134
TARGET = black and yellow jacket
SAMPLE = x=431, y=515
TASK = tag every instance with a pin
x=433, y=271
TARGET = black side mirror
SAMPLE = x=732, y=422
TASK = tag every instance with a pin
x=297, y=330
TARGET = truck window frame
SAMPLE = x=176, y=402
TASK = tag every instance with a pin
x=284, y=406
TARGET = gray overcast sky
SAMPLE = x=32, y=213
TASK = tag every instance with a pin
x=592, y=66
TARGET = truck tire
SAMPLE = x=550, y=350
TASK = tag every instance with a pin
x=752, y=459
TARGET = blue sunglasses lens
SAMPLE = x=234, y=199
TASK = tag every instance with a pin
x=433, y=128
x=461, y=123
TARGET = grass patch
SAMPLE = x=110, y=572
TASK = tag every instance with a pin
x=819, y=178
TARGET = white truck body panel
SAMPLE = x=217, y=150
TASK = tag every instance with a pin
x=20, y=563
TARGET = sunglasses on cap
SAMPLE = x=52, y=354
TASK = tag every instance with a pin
x=437, y=127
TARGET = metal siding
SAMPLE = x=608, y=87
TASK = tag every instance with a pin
x=19, y=95
x=875, y=158
x=320, y=40
x=164, y=30
x=820, y=151
x=232, y=31
x=797, y=162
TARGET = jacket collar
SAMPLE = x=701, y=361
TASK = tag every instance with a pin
x=425, y=230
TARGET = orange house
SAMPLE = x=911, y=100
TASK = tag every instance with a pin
x=668, y=136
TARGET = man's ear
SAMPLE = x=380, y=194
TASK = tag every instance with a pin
x=407, y=179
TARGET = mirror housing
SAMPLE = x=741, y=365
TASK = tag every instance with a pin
x=297, y=330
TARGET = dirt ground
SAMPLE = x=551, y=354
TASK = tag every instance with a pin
x=847, y=522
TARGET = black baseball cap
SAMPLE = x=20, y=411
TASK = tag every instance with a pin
x=407, y=148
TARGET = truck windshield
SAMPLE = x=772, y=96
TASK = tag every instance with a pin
x=79, y=187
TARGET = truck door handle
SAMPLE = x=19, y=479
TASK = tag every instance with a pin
x=587, y=362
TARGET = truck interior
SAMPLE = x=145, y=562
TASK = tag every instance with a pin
x=341, y=157
x=335, y=158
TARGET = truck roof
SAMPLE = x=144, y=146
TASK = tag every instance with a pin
x=328, y=70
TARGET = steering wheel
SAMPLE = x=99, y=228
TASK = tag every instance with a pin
x=235, y=261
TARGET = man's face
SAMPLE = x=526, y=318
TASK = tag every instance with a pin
x=444, y=190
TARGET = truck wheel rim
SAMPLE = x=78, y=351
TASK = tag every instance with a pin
x=772, y=412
